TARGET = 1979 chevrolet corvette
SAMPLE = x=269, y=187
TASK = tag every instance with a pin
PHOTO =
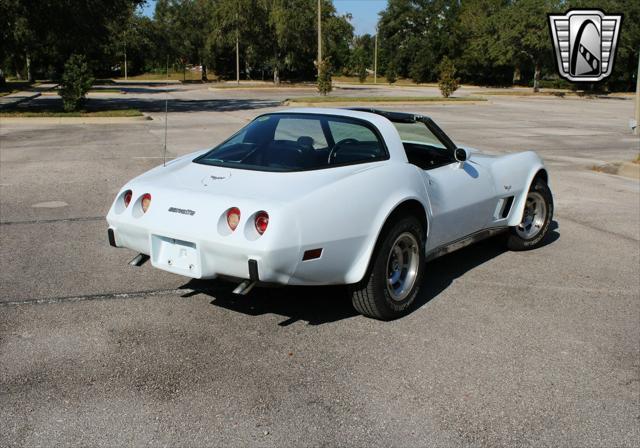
x=359, y=197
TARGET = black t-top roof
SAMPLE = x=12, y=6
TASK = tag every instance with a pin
x=398, y=117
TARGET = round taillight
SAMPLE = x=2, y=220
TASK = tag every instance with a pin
x=145, y=202
x=262, y=221
x=127, y=198
x=233, y=218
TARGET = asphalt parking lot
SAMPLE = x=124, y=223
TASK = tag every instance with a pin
x=506, y=349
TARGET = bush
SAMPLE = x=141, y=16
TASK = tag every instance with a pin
x=447, y=81
x=391, y=73
x=76, y=82
x=324, y=78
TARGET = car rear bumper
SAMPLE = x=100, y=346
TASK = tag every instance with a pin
x=206, y=259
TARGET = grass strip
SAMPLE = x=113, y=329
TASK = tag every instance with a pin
x=79, y=113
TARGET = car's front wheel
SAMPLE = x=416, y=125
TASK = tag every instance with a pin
x=392, y=284
x=536, y=219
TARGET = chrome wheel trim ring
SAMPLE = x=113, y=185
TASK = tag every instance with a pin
x=402, y=266
x=535, y=214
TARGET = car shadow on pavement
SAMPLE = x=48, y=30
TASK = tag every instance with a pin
x=314, y=305
x=151, y=105
x=318, y=305
x=441, y=272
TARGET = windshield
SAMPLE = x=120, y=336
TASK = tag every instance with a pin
x=294, y=142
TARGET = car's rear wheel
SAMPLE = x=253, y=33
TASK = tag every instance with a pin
x=536, y=219
x=397, y=267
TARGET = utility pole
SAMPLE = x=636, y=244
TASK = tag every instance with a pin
x=637, y=128
x=237, y=59
x=237, y=51
x=375, y=59
x=125, y=60
x=319, y=36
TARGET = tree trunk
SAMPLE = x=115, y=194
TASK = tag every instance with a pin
x=516, y=75
x=29, y=74
x=536, y=78
x=204, y=73
x=276, y=75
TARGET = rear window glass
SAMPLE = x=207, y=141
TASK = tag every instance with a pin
x=294, y=142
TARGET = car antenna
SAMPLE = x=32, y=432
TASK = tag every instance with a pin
x=166, y=109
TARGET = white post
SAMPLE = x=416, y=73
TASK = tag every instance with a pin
x=375, y=60
x=237, y=50
x=237, y=59
x=637, y=128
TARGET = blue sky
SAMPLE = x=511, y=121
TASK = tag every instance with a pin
x=365, y=12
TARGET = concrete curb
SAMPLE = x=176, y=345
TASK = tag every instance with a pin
x=380, y=103
x=154, y=82
x=263, y=88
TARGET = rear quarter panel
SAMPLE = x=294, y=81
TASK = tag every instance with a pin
x=344, y=218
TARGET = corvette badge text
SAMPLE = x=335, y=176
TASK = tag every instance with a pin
x=585, y=43
x=182, y=211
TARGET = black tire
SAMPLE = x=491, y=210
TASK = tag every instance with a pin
x=371, y=297
x=515, y=239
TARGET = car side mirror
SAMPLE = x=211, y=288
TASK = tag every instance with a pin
x=460, y=154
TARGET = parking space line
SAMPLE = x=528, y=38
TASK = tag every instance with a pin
x=48, y=221
x=113, y=295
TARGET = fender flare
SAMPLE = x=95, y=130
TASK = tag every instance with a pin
x=518, y=207
x=362, y=264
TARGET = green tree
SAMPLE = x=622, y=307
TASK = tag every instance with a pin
x=324, y=78
x=76, y=82
x=337, y=34
x=447, y=81
x=416, y=33
x=186, y=22
x=292, y=32
x=45, y=33
x=230, y=22
x=397, y=30
x=477, y=27
x=523, y=35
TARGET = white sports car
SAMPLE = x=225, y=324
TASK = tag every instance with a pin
x=359, y=197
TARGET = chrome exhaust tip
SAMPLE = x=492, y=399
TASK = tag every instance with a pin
x=244, y=288
x=139, y=260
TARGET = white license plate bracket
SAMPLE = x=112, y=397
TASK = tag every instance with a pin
x=175, y=255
